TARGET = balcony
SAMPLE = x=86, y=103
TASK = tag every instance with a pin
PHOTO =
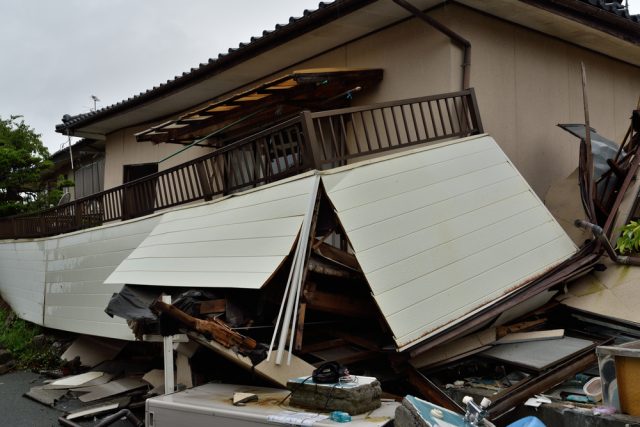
x=309, y=140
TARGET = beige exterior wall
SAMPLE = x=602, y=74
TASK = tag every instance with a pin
x=526, y=83
x=121, y=148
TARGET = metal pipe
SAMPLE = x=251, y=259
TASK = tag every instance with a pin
x=108, y=420
x=117, y=416
x=598, y=232
x=455, y=37
x=297, y=274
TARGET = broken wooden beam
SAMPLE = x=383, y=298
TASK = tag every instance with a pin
x=213, y=306
x=338, y=256
x=215, y=328
x=338, y=304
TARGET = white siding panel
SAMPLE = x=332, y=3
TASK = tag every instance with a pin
x=22, y=270
x=236, y=242
x=77, y=265
x=442, y=231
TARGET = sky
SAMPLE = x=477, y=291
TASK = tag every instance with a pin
x=56, y=54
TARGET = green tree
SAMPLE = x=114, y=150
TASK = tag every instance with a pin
x=23, y=158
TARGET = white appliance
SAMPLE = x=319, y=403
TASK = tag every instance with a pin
x=210, y=405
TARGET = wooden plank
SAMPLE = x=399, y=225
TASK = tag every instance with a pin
x=267, y=369
x=112, y=388
x=338, y=304
x=518, y=337
x=322, y=345
x=183, y=371
x=213, y=306
x=452, y=350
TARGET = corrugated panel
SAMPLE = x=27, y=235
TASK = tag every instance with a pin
x=22, y=268
x=76, y=267
x=238, y=242
x=440, y=232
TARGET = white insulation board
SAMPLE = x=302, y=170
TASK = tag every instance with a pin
x=236, y=242
x=442, y=231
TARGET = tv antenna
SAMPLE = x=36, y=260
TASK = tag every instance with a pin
x=95, y=101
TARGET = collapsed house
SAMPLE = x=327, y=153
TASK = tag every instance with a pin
x=317, y=210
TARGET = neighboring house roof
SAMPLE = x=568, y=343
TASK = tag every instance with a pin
x=608, y=16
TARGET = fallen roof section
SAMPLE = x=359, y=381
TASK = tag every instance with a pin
x=443, y=231
x=235, y=242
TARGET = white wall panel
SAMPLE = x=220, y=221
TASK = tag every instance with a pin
x=236, y=242
x=76, y=267
x=22, y=269
x=442, y=231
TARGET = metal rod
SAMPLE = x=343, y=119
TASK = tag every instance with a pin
x=589, y=154
x=297, y=274
x=214, y=133
x=598, y=232
x=168, y=356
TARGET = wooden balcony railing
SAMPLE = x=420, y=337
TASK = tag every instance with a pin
x=317, y=140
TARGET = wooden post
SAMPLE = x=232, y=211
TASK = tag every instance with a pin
x=475, y=111
x=312, y=152
x=78, y=215
x=207, y=191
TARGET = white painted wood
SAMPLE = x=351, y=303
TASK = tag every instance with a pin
x=443, y=231
x=22, y=271
x=76, y=267
x=167, y=345
x=235, y=242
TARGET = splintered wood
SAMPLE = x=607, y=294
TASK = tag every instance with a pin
x=217, y=329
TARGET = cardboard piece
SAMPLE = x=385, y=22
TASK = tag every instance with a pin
x=112, y=388
x=241, y=399
x=183, y=371
x=155, y=377
x=45, y=396
x=93, y=350
x=82, y=380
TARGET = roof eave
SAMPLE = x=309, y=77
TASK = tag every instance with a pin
x=282, y=34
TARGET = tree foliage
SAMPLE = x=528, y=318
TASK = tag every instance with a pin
x=629, y=240
x=23, y=158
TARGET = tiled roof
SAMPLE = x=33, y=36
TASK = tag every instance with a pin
x=308, y=17
x=614, y=7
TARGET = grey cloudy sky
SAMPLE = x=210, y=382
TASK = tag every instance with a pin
x=55, y=54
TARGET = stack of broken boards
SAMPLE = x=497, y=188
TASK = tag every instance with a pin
x=356, y=397
x=100, y=390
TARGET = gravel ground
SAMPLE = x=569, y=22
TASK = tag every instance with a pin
x=19, y=411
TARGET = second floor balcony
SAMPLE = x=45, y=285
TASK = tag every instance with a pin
x=308, y=140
